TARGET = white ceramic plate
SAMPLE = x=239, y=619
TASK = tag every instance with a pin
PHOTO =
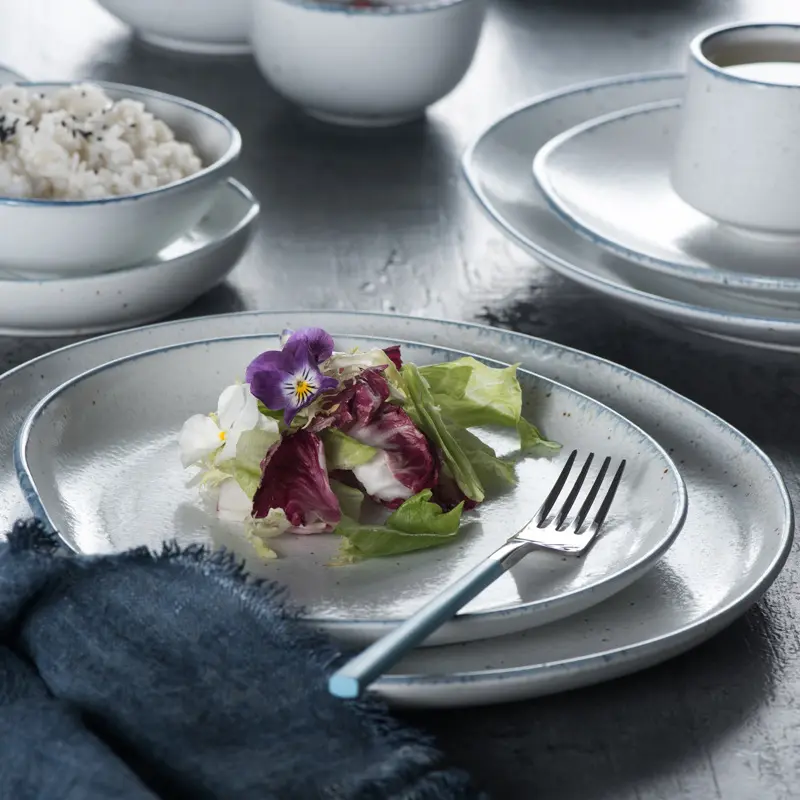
x=180, y=274
x=100, y=462
x=735, y=540
x=498, y=169
x=609, y=180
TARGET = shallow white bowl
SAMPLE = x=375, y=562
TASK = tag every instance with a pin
x=213, y=27
x=369, y=66
x=191, y=266
x=57, y=238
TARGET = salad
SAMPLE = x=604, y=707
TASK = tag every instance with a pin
x=315, y=440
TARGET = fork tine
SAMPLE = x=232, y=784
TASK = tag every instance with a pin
x=573, y=495
x=551, y=498
x=590, y=498
x=600, y=518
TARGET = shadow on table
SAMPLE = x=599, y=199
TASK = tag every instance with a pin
x=223, y=299
x=621, y=739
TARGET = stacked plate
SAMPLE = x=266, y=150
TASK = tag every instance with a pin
x=700, y=527
x=581, y=179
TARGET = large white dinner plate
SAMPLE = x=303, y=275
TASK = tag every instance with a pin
x=609, y=179
x=498, y=169
x=172, y=280
x=99, y=460
x=736, y=537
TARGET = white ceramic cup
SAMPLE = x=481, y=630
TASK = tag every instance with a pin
x=737, y=155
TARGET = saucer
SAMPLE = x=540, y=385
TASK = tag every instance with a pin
x=609, y=180
x=178, y=275
x=497, y=168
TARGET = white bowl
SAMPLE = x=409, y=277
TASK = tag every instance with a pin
x=213, y=27
x=374, y=65
x=46, y=238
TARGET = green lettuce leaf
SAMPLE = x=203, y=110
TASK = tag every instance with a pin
x=427, y=417
x=245, y=468
x=350, y=499
x=494, y=473
x=472, y=394
x=530, y=437
x=268, y=412
x=259, y=531
x=415, y=525
x=343, y=452
x=252, y=448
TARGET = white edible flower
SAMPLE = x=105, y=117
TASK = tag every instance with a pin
x=237, y=412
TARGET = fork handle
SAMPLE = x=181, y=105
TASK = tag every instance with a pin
x=357, y=674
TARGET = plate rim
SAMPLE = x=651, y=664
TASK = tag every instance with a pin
x=633, y=571
x=689, y=315
x=711, y=276
x=638, y=656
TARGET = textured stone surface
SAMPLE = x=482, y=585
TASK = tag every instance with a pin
x=383, y=221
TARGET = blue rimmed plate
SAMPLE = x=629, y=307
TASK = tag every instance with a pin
x=609, y=180
x=100, y=461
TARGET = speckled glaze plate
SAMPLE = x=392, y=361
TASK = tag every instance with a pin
x=100, y=463
x=736, y=537
x=188, y=268
x=498, y=169
x=609, y=180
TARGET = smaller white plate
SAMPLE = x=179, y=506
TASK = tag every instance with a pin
x=180, y=274
x=100, y=463
x=609, y=179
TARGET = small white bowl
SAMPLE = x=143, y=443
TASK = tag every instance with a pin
x=210, y=27
x=59, y=238
x=365, y=65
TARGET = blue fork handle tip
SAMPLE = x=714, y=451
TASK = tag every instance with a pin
x=344, y=687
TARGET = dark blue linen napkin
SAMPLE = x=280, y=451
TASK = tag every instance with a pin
x=137, y=676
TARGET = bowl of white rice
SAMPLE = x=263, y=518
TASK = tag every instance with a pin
x=98, y=176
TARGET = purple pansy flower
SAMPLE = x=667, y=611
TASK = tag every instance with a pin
x=290, y=379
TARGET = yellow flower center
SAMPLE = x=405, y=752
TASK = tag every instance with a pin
x=302, y=388
x=222, y=436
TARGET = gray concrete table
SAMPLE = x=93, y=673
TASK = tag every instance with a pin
x=383, y=221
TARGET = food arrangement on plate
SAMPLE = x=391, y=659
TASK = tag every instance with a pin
x=104, y=469
x=313, y=433
x=92, y=465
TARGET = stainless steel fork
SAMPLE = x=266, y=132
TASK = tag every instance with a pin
x=545, y=530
